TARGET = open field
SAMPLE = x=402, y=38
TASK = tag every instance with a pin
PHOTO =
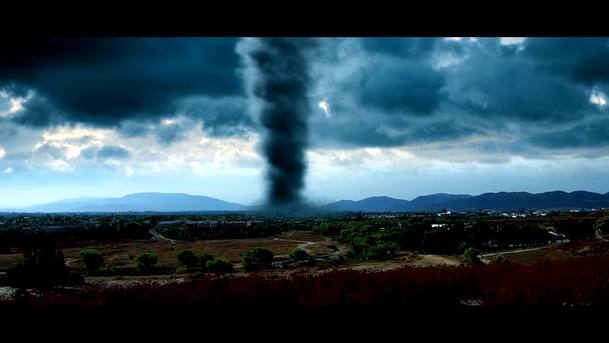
x=564, y=274
x=121, y=254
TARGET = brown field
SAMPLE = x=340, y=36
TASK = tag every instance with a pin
x=122, y=253
x=562, y=277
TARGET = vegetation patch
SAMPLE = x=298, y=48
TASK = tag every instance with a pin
x=255, y=270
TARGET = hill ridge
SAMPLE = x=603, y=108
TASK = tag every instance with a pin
x=140, y=202
x=183, y=202
x=502, y=200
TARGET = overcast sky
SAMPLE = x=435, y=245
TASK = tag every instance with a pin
x=400, y=117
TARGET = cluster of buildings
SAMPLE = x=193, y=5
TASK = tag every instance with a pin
x=207, y=223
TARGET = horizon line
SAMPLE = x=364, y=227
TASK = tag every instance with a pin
x=93, y=198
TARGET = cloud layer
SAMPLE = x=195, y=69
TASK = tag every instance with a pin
x=398, y=91
x=104, y=81
x=128, y=104
x=382, y=91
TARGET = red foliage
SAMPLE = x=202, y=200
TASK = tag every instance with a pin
x=569, y=282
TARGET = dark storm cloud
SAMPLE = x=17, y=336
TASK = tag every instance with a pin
x=227, y=116
x=378, y=90
x=381, y=91
x=216, y=117
x=165, y=132
x=400, y=88
x=362, y=133
x=356, y=133
x=102, y=81
x=39, y=113
x=397, y=76
x=514, y=87
x=400, y=47
x=395, y=91
x=585, y=135
x=581, y=59
x=539, y=90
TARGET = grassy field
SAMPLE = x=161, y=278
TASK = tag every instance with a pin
x=121, y=253
x=565, y=274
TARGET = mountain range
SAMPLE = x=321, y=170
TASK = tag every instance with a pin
x=501, y=201
x=179, y=202
x=138, y=202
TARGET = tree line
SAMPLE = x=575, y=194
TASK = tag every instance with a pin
x=368, y=238
x=380, y=238
x=44, y=266
x=109, y=229
x=186, y=232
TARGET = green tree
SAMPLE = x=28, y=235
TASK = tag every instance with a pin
x=257, y=258
x=170, y=232
x=218, y=266
x=187, y=258
x=203, y=259
x=91, y=259
x=42, y=267
x=134, y=230
x=145, y=262
x=298, y=254
x=472, y=255
x=478, y=235
x=381, y=250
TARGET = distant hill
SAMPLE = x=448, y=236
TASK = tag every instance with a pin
x=180, y=202
x=372, y=204
x=501, y=201
x=518, y=200
x=436, y=201
x=138, y=202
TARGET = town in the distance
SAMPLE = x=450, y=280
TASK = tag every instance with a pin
x=164, y=212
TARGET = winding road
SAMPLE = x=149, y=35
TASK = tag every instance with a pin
x=304, y=244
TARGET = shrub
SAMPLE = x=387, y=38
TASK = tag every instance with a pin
x=248, y=264
x=187, y=259
x=500, y=258
x=472, y=255
x=91, y=259
x=110, y=271
x=218, y=266
x=257, y=258
x=145, y=262
x=298, y=254
x=203, y=259
x=558, y=283
x=380, y=251
x=43, y=267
